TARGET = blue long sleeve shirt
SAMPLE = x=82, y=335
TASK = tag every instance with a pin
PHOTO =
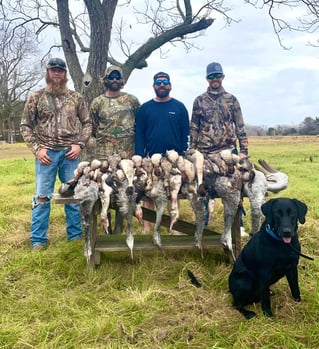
x=161, y=126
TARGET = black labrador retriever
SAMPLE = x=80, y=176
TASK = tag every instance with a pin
x=272, y=253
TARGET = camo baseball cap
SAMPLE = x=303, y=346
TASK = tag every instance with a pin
x=56, y=63
x=213, y=68
x=111, y=69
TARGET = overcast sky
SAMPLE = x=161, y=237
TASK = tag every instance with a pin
x=274, y=86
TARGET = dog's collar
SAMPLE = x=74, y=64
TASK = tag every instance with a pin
x=271, y=233
x=276, y=237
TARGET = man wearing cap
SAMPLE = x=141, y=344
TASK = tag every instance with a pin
x=162, y=124
x=56, y=126
x=217, y=121
x=113, y=116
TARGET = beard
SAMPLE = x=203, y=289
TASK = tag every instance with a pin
x=161, y=93
x=113, y=85
x=215, y=85
x=56, y=86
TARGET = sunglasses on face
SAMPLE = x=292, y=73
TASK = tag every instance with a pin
x=215, y=76
x=57, y=70
x=116, y=77
x=159, y=82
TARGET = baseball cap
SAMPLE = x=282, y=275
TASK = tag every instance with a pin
x=56, y=63
x=161, y=75
x=111, y=69
x=214, y=68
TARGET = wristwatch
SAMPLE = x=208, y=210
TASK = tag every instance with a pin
x=82, y=145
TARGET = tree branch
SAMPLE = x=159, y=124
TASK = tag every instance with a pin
x=152, y=44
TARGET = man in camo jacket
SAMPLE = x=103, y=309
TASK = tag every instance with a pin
x=217, y=121
x=56, y=126
x=113, y=115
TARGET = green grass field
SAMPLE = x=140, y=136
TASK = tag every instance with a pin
x=50, y=299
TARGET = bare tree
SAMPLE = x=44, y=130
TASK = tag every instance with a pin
x=291, y=15
x=94, y=28
x=100, y=31
x=18, y=74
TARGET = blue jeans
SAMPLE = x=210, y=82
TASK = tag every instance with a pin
x=45, y=181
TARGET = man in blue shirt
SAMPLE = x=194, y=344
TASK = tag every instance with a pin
x=162, y=124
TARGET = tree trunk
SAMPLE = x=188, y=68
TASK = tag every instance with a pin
x=101, y=17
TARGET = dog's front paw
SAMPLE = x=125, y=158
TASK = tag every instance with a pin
x=247, y=313
x=297, y=299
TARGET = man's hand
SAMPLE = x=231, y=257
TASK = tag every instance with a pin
x=242, y=155
x=74, y=153
x=43, y=157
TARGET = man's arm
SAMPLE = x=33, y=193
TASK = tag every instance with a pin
x=86, y=121
x=240, y=129
x=139, y=136
x=28, y=122
x=195, y=124
x=185, y=129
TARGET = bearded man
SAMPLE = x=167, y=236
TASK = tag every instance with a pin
x=162, y=124
x=113, y=115
x=217, y=122
x=56, y=126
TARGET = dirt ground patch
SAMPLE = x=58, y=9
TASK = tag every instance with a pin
x=17, y=150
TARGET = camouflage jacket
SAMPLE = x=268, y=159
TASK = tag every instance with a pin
x=113, y=124
x=55, y=121
x=217, y=123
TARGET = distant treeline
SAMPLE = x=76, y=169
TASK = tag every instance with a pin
x=309, y=127
x=9, y=131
